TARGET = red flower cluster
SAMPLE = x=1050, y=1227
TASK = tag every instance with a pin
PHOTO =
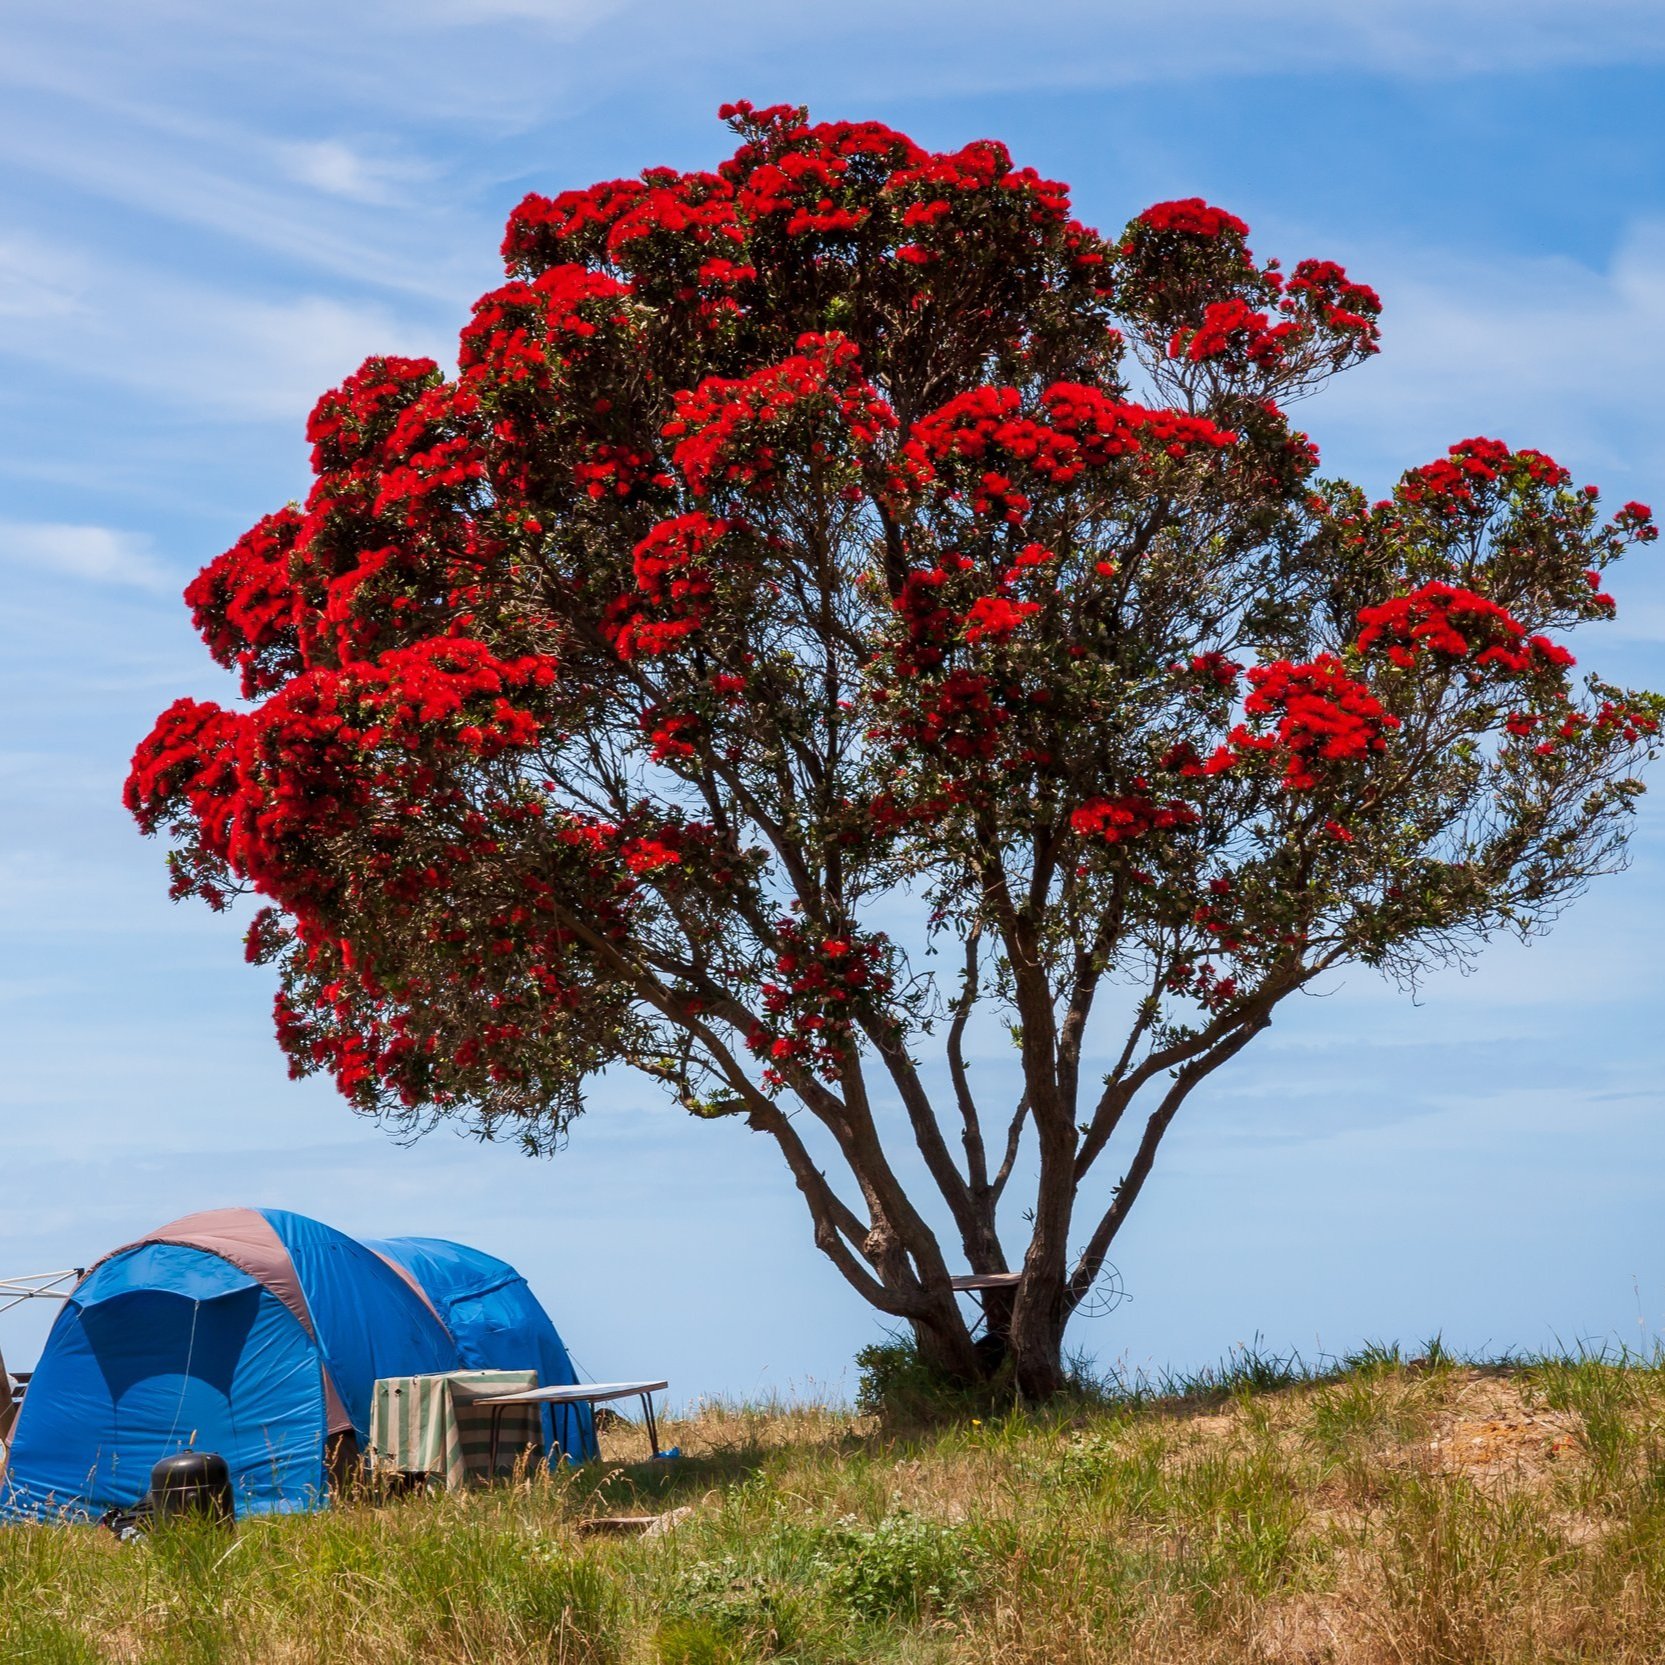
x=1635, y=520
x=1233, y=328
x=961, y=715
x=732, y=432
x=825, y=183
x=262, y=788
x=996, y=617
x=827, y=981
x=814, y=177
x=243, y=605
x=1598, y=596
x=541, y=224
x=1445, y=619
x=1456, y=484
x=928, y=621
x=1215, y=667
x=676, y=210
x=1615, y=717
x=674, y=586
x=1324, y=288
x=386, y=526
x=1192, y=217
x=1321, y=716
x=380, y=1038
x=1120, y=820
x=430, y=458
x=803, y=186
x=1201, y=983
x=1076, y=429
x=1191, y=290
x=352, y=422
x=672, y=735
x=1099, y=426
x=1612, y=720
x=524, y=335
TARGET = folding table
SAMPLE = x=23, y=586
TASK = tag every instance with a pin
x=579, y=1393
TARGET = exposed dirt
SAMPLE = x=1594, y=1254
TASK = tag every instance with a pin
x=1493, y=1426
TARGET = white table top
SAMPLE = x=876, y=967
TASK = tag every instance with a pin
x=578, y=1393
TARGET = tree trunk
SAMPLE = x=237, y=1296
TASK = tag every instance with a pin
x=945, y=1345
x=1039, y=1312
x=1036, y=1342
x=1039, y=1367
x=1031, y=1358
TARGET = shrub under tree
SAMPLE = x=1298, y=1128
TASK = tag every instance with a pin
x=850, y=536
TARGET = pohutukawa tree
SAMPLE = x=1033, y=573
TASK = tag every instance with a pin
x=790, y=553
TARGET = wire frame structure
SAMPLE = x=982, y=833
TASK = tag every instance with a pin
x=1104, y=1294
x=39, y=1286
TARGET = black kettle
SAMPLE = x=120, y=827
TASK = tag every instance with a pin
x=191, y=1483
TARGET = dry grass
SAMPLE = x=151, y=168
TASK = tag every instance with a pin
x=1386, y=1514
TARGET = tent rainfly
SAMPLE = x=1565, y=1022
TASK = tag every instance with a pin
x=497, y=1324
x=258, y=1334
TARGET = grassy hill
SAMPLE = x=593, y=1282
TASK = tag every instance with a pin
x=1429, y=1511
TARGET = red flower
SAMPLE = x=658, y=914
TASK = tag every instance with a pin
x=649, y=855
x=995, y=617
x=1117, y=820
x=1446, y=620
x=1234, y=327
x=1192, y=217
x=1322, y=716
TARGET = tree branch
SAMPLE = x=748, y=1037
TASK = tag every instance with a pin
x=1014, y=1137
x=977, y=1167
x=829, y=1216
x=1133, y=1181
x=1121, y=1088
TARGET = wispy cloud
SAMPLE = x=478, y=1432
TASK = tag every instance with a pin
x=1559, y=353
x=93, y=554
x=36, y=281
x=185, y=343
x=566, y=16
x=482, y=64
x=210, y=178
x=338, y=169
x=942, y=46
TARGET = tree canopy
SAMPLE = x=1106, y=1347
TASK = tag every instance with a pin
x=850, y=535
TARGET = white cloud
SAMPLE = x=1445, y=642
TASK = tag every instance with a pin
x=337, y=169
x=97, y=554
x=218, y=176
x=328, y=165
x=201, y=348
x=36, y=281
x=1547, y=352
x=935, y=46
x=271, y=358
x=944, y=46
x=567, y=16
x=478, y=63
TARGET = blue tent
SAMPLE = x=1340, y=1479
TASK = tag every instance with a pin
x=497, y=1324
x=252, y=1332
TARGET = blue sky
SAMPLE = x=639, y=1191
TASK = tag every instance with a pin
x=208, y=214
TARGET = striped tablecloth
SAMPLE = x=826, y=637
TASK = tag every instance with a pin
x=430, y=1425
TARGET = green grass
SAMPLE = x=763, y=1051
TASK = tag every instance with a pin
x=1377, y=1509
